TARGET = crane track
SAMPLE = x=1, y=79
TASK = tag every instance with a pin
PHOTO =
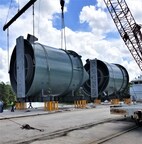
x=105, y=139
x=64, y=132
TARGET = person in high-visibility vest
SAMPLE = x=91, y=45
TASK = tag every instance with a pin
x=12, y=106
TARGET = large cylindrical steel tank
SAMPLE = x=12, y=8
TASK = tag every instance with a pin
x=112, y=78
x=49, y=68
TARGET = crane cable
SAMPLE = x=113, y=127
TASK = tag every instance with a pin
x=8, y=48
x=63, y=34
x=8, y=11
x=8, y=35
x=39, y=7
x=18, y=5
x=33, y=20
x=8, y=31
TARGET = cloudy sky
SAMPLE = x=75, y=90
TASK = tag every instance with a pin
x=90, y=30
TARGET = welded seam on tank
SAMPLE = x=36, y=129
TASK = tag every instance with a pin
x=113, y=78
x=79, y=68
x=123, y=73
x=68, y=53
x=126, y=77
x=48, y=66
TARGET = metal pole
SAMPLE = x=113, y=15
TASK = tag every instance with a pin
x=19, y=14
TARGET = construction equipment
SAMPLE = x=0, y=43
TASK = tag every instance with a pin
x=127, y=27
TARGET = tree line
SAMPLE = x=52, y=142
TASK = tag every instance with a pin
x=6, y=94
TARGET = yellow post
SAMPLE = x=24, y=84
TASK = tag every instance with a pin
x=21, y=106
x=80, y=103
x=127, y=101
x=84, y=103
x=51, y=105
x=97, y=101
x=17, y=106
x=115, y=101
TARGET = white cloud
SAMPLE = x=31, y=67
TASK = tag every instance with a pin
x=101, y=4
x=98, y=20
x=136, y=9
x=3, y=66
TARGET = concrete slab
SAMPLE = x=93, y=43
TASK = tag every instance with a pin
x=11, y=132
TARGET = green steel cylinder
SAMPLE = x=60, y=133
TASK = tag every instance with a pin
x=48, y=68
x=112, y=78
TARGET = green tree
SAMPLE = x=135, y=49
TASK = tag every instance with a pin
x=6, y=94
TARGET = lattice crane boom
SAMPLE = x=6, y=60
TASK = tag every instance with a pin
x=129, y=30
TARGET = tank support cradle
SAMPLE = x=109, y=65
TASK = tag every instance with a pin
x=80, y=103
x=20, y=105
x=97, y=101
x=51, y=105
x=115, y=101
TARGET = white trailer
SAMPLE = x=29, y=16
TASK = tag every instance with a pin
x=133, y=110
